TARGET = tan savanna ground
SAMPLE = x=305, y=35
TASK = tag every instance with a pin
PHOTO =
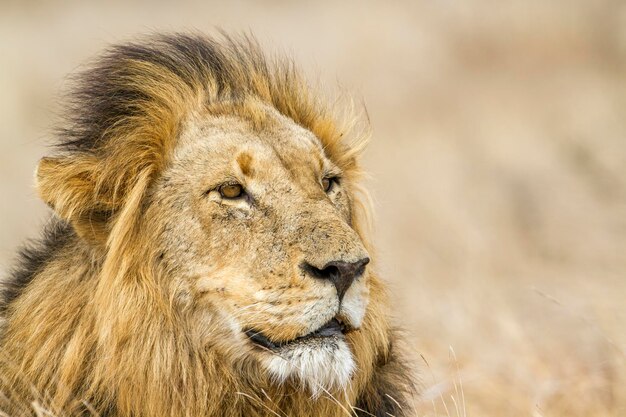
x=498, y=168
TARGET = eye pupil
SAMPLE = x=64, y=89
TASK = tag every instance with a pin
x=231, y=190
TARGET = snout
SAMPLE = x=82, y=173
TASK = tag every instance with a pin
x=333, y=252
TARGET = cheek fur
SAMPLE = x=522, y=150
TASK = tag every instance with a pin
x=285, y=320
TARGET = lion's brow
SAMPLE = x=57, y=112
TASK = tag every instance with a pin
x=244, y=160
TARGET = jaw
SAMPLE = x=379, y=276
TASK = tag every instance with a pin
x=320, y=365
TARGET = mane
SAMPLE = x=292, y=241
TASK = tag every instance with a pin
x=131, y=84
x=125, y=115
x=32, y=257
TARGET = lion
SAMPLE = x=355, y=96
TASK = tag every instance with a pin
x=206, y=254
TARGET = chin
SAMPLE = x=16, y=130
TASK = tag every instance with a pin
x=319, y=365
x=320, y=362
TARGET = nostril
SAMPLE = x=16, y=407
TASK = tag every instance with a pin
x=360, y=265
x=329, y=272
x=325, y=273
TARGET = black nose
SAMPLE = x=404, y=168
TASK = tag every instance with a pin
x=340, y=273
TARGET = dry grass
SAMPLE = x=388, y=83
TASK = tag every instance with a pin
x=498, y=168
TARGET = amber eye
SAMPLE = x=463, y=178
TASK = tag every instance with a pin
x=328, y=183
x=231, y=191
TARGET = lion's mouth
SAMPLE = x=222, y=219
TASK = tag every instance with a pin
x=334, y=328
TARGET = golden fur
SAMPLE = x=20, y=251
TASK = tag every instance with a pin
x=137, y=300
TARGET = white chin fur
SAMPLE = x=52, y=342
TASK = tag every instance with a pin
x=321, y=366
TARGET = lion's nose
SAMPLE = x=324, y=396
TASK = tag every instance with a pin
x=340, y=273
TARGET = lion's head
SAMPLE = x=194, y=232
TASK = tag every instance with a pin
x=208, y=242
x=254, y=221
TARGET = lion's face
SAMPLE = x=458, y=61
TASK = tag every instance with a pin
x=256, y=228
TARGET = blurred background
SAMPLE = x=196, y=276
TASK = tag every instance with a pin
x=498, y=171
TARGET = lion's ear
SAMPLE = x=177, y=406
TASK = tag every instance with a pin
x=69, y=184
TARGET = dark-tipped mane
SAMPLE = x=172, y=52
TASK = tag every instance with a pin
x=31, y=258
x=229, y=69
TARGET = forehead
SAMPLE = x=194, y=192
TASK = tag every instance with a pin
x=226, y=136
